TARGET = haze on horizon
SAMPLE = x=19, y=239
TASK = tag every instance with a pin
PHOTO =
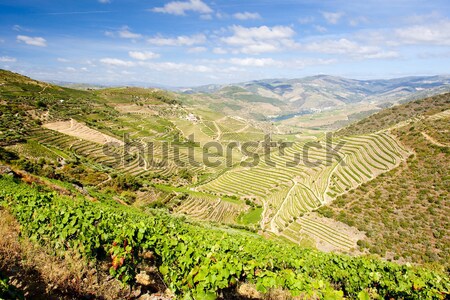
x=195, y=42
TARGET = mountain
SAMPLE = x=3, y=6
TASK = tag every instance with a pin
x=84, y=86
x=277, y=97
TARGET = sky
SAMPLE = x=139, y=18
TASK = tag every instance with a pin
x=196, y=42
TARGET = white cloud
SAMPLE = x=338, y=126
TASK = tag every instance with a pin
x=180, y=8
x=33, y=41
x=436, y=34
x=197, y=50
x=247, y=34
x=243, y=63
x=115, y=62
x=256, y=40
x=125, y=33
x=332, y=17
x=247, y=16
x=104, y=1
x=176, y=67
x=306, y=20
x=320, y=29
x=221, y=15
x=357, y=21
x=425, y=18
x=71, y=69
x=382, y=55
x=145, y=55
x=178, y=41
x=253, y=62
x=219, y=50
x=303, y=63
x=7, y=59
x=110, y=33
x=157, y=66
x=346, y=47
x=19, y=28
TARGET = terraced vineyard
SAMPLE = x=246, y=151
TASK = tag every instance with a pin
x=326, y=236
x=405, y=211
x=288, y=190
x=210, y=208
x=111, y=157
x=276, y=193
x=296, y=180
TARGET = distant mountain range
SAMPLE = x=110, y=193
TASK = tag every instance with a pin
x=323, y=91
x=281, y=99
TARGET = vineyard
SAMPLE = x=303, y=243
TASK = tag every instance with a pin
x=405, y=211
x=285, y=188
x=210, y=208
x=287, y=192
x=203, y=262
x=120, y=181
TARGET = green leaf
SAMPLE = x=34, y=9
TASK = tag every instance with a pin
x=164, y=270
x=363, y=295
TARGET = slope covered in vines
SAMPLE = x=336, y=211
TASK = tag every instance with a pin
x=200, y=262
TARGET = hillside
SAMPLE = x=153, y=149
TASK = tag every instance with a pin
x=200, y=262
x=193, y=188
x=398, y=114
x=405, y=212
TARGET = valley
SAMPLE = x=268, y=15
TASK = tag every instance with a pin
x=224, y=150
x=167, y=157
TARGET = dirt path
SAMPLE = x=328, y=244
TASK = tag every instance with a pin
x=106, y=181
x=43, y=90
x=219, y=131
x=433, y=141
x=243, y=128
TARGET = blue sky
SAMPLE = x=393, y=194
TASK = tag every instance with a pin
x=195, y=42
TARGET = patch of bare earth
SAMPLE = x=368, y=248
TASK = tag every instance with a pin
x=136, y=109
x=81, y=131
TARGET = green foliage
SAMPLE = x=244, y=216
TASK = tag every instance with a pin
x=326, y=211
x=200, y=262
x=251, y=217
x=126, y=182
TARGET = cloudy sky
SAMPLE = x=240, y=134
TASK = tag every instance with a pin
x=194, y=42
